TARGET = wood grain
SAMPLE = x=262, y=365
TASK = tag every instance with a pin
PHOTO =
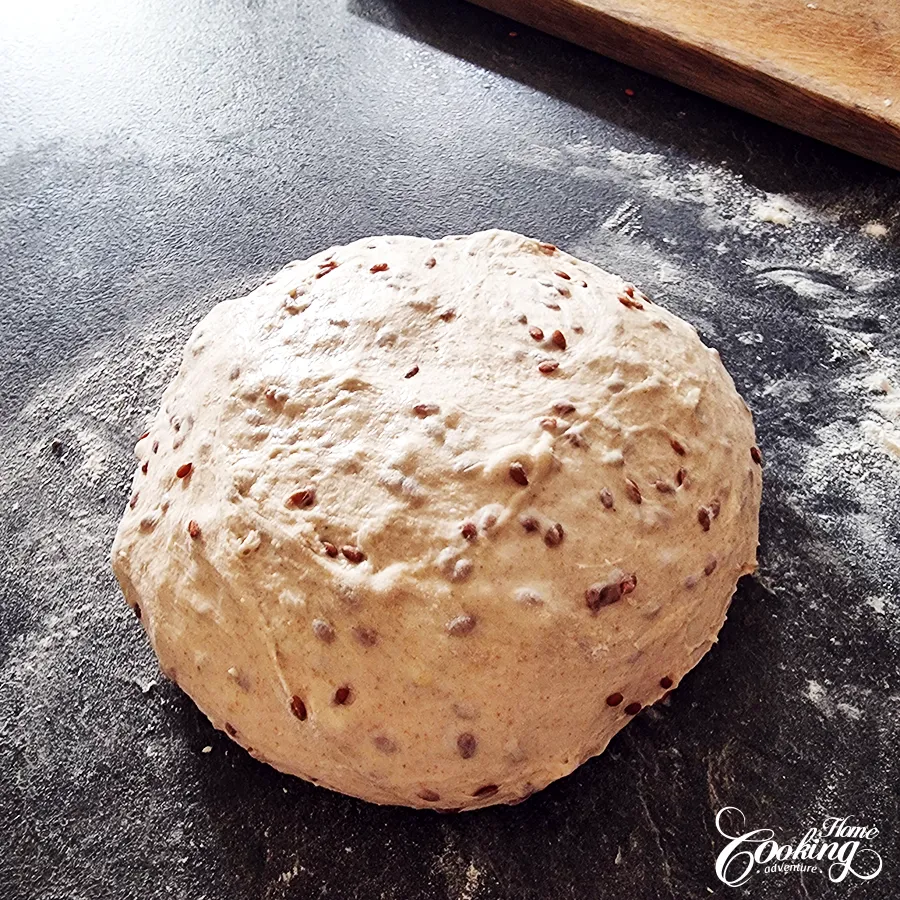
x=829, y=69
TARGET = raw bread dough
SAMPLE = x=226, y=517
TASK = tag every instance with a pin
x=428, y=522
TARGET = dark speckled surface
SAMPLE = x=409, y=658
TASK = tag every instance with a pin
x=158, y=157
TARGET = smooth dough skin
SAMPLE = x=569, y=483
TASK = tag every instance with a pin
x=428, y=522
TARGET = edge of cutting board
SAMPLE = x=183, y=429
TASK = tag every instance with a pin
x=747, y=82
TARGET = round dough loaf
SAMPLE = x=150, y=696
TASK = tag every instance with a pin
x=428, y=522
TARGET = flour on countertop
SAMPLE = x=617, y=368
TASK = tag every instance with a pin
x=65, y=446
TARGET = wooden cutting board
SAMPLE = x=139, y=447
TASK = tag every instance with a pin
x=826, y=68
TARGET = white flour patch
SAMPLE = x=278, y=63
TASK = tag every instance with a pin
x=625, y=218
x=473, y=880
x=819, y=697
x=780, y=210
x=804, y=283
x=885, y=431
x=874, y=230
x=725, y=199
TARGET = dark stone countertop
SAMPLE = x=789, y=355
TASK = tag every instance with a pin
x=156, y=158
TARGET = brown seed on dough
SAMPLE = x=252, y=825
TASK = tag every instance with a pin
x=413, y=371
x=353, y=554
x=145, y=466
x=518, y=474
x=554, y=535
x=756, y=455
x=563, y=409
x=630, y=302
x=426, y=409
x=536, y=333
x=664, y=487
x=563, y=291
x=194, y=529
x=303, y=498
x=632, y=491
x=547, y=248
x=563, y=275
x=326, y=267
x=559, y=339
x=467, y=745
x=136, y=609
x=469, y=531
x=342, y=695
x=680, y=477
x=628, y=290
x=710, y=566
x=487, y=791
x=529, y=523
x=600, y=595
x=430, y=263
x=134, y=499
x=365, y=636
x=298, y=708
x=330, y=549
x=665, y=682
x=633, y=709
x=461, y=626
x=677, y=446
x=703, y=518
x=384, y=744
x=231, y=729
x=184, y=470
x=548, y=366
x=614, y=699
x=606, y=498
x=429, y=796
x=378, y=267
x=323, y=630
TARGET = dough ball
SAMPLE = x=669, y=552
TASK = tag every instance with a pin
x=428, y=522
